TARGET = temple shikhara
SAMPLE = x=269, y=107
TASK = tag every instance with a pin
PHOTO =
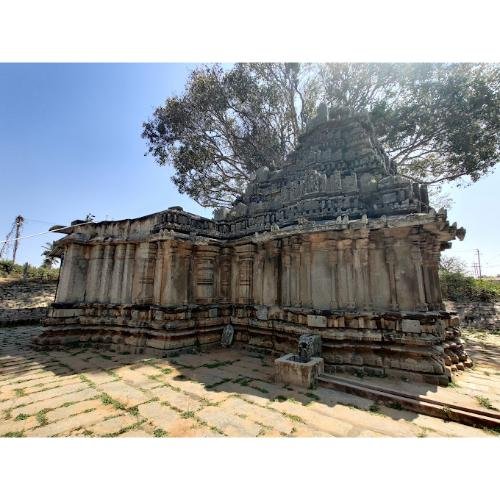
x=334, y=242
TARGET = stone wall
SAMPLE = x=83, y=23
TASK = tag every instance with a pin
x=23, y=302
x=480, y=315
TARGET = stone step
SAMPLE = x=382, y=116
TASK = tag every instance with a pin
x=418, y=404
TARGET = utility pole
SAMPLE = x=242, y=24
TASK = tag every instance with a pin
x=19, y=222
x=478, y=263
x=16, y=231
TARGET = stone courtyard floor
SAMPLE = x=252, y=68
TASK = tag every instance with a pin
x=89, y=392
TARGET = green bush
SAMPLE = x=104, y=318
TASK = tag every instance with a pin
x=459, y=287
x=10, y=270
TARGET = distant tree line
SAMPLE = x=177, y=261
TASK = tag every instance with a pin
x=456, y=285
x=8, y=269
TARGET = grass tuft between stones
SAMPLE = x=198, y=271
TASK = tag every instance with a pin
x=294, y=418
x=42, y=417
x=14, y=434
x=108, y=400
x=485, y=402
x=158, y=433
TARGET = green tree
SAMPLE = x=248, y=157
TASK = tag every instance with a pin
x=49, y=259
x=452, y=265
x=439, y=122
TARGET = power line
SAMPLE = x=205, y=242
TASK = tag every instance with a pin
x=40, y=221
x=8, y=241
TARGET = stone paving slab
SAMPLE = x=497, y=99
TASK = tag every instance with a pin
x=247, y=392
x=69, y=411
x=206, y=376
x=262, y=416
x=26, y=377
x=177, y=399
x=85, y=420
x=198, y=390
x=57, y=382
x=137, y=379
x=169, y=420
x=45, y=377
x=229, y=424
x=12, y=391
x=297, y=412
x=72, y=397
x=113, y=425
x=99, y=378
x=138, y=433
x=14, y=426
x=124, y=393
x=43, y=395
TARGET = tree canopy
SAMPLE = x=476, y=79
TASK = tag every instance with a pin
x=438, y=122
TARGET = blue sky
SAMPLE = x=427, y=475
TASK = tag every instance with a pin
x=70, y=144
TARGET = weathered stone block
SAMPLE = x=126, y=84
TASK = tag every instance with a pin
x=316, y=321
x=66, y=313
x=262, y=313
x=411, y=326
x=289, y=371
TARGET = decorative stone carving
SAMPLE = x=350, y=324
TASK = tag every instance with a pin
x=309, y=346
x=227, y=336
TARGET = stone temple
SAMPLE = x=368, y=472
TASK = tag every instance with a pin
x=334, y=243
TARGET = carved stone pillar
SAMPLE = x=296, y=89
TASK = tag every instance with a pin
x=205, y=279
x=272, y=276
x=305, y=274
x=146, y=260
x=169, y=290
x=362, y=275
x=430, y=266
x=94, y=274
x=71, y=287
x=334, y=281
x=106, y=273
x=158, y=277
x=225, y=276
x=295, y=272
x=286, y=262
x=390, y=259
x=320, y=273
x=128, y=274
x=183, y=273
x=259, y=274
x=416, y=257
x=245, y=257
x=433, y=269
x=117, y=274
x=346, y=275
